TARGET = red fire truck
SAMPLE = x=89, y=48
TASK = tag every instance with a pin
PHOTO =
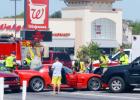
x=9, y=44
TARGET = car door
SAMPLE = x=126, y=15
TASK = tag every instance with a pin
x=71, y=77
x=134, y=72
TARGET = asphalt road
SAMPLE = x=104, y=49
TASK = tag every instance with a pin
x=75, y=95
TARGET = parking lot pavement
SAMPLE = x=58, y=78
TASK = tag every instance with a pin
x=76, y=95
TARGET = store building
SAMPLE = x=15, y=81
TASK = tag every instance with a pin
x=82, y=21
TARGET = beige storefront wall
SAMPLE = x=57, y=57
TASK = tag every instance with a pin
x=66, y=31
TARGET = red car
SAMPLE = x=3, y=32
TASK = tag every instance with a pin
x=11, y=81
x=40, y=78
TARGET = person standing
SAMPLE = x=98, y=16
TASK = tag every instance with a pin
x=88, y=66
x=10, y=61
x=56, y=77
x=123, y=59
x=104, y=60
x=82, y=66
x=76, y=66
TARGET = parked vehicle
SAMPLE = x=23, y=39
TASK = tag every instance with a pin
x=11, y=81
x=40, y=78
x=123, y=77
x=21, y=48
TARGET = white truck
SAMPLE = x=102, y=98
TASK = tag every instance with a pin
x=133, y=53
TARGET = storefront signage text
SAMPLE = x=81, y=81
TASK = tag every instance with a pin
x=61, y=34
x=11, y=27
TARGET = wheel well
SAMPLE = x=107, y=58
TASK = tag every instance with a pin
x=116, y=75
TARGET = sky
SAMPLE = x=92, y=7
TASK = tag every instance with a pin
x=130, y=8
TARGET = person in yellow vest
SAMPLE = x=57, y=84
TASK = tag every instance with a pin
x=82, y=67
x=10, y=61
x=104, y=60
x=123, y=59
x=27, y=61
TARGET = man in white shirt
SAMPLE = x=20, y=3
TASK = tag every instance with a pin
x=56, y=78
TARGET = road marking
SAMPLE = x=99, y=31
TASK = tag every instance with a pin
x=106, y=96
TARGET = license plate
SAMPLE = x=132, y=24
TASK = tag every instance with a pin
x=6, y=86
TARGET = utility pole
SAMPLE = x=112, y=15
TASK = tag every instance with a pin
x=15, y=14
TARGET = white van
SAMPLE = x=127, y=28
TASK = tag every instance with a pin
x=133, y=53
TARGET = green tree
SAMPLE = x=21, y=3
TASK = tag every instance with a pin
x=135, y=28
x=90, y=51
x=56, y=14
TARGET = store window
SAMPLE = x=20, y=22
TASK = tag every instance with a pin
x=103, y=29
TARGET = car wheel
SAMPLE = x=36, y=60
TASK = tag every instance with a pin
x=94, y=84
x=116, y=85
x=36, y=84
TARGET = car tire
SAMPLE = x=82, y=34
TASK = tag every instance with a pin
x=116, y=85
x=36, y=84
x=94, y=84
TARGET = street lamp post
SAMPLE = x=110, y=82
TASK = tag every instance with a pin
x=15, y=14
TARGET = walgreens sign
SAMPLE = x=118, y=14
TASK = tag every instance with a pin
x=36, y=15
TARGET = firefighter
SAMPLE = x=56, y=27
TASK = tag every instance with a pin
x=104, y=60
x=123, y=59
x=10, y=61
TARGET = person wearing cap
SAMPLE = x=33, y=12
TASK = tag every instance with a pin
x=104, y=60
x=56, y=77
x=10, y=61
x=123, y=59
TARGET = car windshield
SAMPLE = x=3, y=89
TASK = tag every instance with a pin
x=67, y=70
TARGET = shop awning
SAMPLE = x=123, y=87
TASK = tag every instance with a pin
x=60, y=43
